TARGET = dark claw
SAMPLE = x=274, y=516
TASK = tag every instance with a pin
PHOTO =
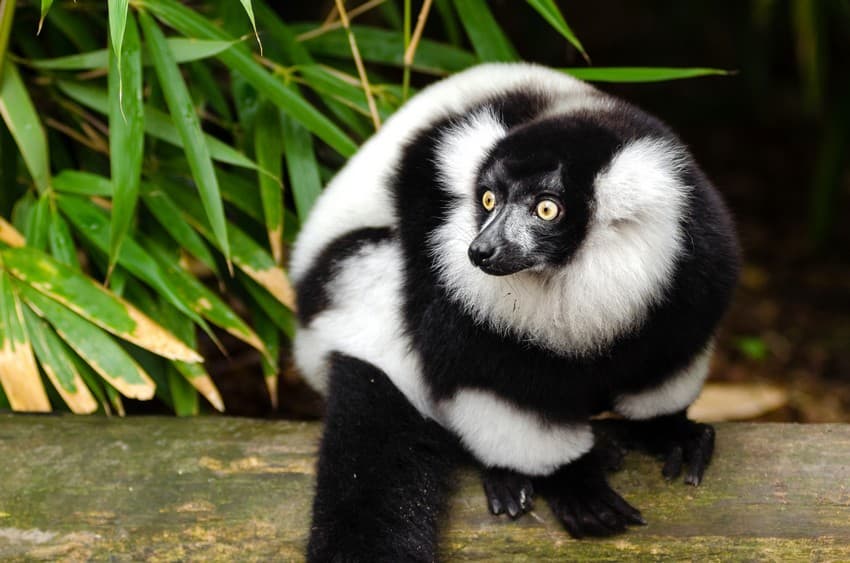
x=507, y=492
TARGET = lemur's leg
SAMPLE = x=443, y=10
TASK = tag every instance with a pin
x=674, y=438
x=582, y=499
x=383, y=472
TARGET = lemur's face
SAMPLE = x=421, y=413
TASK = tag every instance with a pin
x=534, y=193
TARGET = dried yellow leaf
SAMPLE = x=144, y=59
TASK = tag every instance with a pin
x=10, y=235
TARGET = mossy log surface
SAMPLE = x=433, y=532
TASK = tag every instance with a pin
x=166, y=489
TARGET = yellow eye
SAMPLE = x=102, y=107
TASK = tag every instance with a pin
x=547, y=210
x=488, y=200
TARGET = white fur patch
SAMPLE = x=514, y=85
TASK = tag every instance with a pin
x=675, y=394
x=464, y=147
x=623, y=266
x=364, y=321
x=501, y=434
x=359, y=196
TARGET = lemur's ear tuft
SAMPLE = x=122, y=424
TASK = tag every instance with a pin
x=642, y=183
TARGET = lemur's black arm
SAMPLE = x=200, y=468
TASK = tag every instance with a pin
x=383, y=472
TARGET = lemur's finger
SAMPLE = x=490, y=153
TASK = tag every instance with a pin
x=629, y=512
x=699, y=455
x=673, y=463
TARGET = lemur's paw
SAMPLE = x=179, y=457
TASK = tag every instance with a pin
x=584, y=502
x=674, y=438
x=695, y=449
x=596, y=511
x=507, y=492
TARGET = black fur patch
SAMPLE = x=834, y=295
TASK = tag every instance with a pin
x=383, y=472
x=312, y=288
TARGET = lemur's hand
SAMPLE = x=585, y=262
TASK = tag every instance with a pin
x=584, y=502
x=673, y=438
x=507, y=491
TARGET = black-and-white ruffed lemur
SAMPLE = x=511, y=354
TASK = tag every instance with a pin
x=511, y=254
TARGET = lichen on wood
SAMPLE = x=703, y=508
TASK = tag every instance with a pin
x=221, y=488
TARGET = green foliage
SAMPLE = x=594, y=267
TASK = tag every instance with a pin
x=143, y=147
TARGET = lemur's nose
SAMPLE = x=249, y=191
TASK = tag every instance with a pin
x=480, y=252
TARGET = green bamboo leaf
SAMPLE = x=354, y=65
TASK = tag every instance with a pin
x=284, y=45
x=82, y=183
x=114, y=397
x=95, y=384
x=171, y=219
x=92, y=223
x=186, y=119
x=640, y=74
x=92, y=302
x=387, y=47
x=203, y=79
x=99, y=350
x=7, y=15
x=22, y=210
x=485, y=34
x=268, y=145
x=202, y=300
x=239, y=191
x=280, y=315
x=18, y=370
x=37, y=225
x=449, y=20
x=183, y=49
x=162, y=208
x=45, y=7
x=248, y=255
x=126, y=135
x=329, y=83
x=23, y=122
x=270, y=336
x=60, y=241
x=184, y=397
x=157, y=124
x=249, y=9
x=55, y=359
x=301, y=165
x=188, y=22
x=190, y=377
x=117, y=24
x=550, y=12
x=118, y=281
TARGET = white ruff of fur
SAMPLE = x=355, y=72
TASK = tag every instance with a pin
x=364, y=321
x=503, y=435
x=360, y=195
x=675, y=394
x=623, y=266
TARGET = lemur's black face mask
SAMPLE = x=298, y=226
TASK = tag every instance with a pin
x=534, y=196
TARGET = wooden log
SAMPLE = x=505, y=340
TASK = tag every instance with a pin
x=81, y=488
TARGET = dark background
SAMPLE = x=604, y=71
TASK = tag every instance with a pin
x=774, y=139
